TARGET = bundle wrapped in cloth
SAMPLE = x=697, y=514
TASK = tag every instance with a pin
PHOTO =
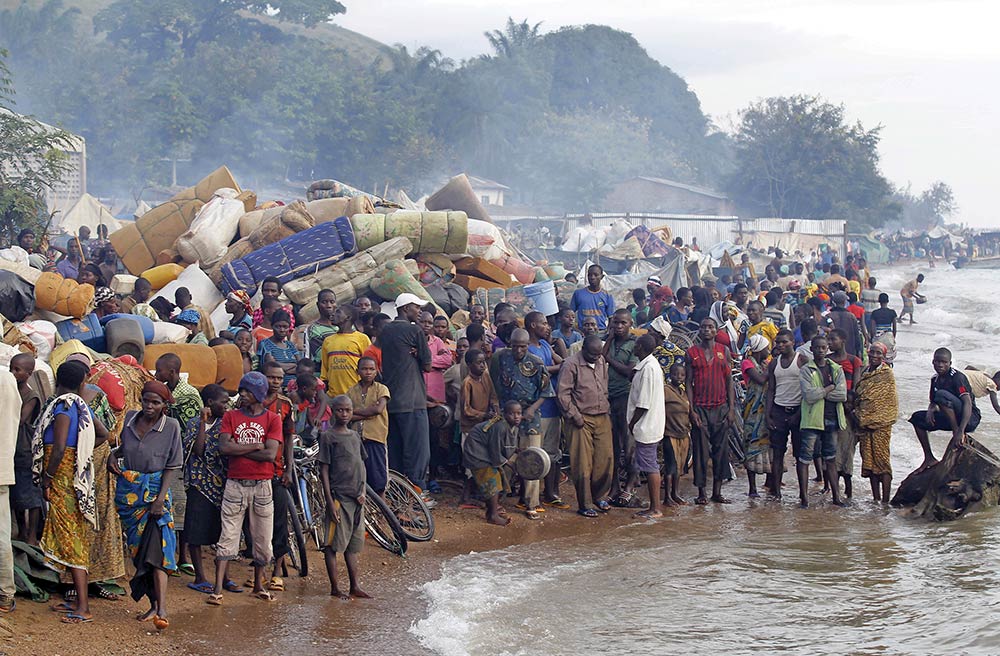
x=64, y=296
x=430, y=232
x=355, y=272
x=138, y=244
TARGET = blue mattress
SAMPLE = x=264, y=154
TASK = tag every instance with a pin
x=293, y=257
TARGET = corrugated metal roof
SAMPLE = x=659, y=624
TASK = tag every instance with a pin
x=681, y=185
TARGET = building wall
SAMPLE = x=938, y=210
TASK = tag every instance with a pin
x=646, y=196
x=74, y=184
x=489, y=196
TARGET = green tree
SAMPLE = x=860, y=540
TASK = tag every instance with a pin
x=513, y=38
x=928, y=209
x=31, y=162
x=798, y=157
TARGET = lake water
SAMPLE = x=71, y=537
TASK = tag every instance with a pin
x=760, y=576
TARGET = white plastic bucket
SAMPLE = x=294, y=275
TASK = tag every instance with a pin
x=543, y=297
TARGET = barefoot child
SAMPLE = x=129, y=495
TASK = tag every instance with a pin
x=343, y=473
x=478, y=403
x=677, y=430
x=371, y=421
x=488, y=447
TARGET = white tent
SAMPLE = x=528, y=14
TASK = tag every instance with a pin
x=141, y=209
x=87, y=211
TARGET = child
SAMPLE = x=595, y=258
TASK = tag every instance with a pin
x=343, y=473
x=370, y=399
x=268, y=306
x=677, y=429
x=567, y=329
x=342, y=351
x=303, y=366
x=26, y=495
x=244, y=342
x=478, y=402
x=312, y=409
x=488, y=447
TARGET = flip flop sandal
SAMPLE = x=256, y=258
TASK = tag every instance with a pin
x=70, y=595
x=587, y=512
x=521, y=506
x=232, y=586
x=276, y=585
x=531, y=514
x=557, y=503
x=62, y=607
x=204, y=587
x=5, y=610
x=603, y=506
x=104, y=593
x=161, y=623
x=186, y=568
x=214, y=600
x=264, y=595
x=73, y=618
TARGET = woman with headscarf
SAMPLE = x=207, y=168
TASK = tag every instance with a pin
x=105, y=302
x=240, y=310
x=151, y=457
x=660, y=301
x=756, y=441
x=106, y=561
x=62, y=460
x=732, y=330
x=190, y=319
x=876, y=408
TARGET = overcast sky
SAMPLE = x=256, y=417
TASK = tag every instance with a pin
x=925, y=70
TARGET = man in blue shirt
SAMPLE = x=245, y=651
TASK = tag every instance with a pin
x=539, y=333
x=592, y=301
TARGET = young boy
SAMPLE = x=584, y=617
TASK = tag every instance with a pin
x=342, y=351
x=370, y=399
x=343, y=473
x=26, y=495
x=847, y=441
x=677, y=428
x=824, y=391
x=312, y=407
x=567, y=329
x=478, y=403
x=488, y=447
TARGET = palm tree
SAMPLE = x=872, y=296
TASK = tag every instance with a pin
x=514, y=37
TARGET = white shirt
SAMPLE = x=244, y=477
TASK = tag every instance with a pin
x=647, y=393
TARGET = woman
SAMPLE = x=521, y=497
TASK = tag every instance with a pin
x=205, y=478
x=106, y=561
x=278, y=348
x=239, y=308
x=62, y=456
x=876, y=408
x=191, y=320
x=105, y=302
x=732, y=329
x=90, y=274
x=151, y=457
x=244, y=342
x=756, y=441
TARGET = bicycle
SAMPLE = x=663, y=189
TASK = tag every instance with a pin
x=409, y=507
x=382, y=524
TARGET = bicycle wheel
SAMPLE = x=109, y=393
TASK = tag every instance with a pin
x=382, y=525
x=317, y=508
x=409, y=508
x=297, y=554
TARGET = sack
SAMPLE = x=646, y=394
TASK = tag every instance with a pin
x=169, y=333
x=42, y=334
x=332, y=189
x=430, y=232
x=69, y=298
x=138, y=244
x=485, y=240
x=17, y=298
x=217, y=222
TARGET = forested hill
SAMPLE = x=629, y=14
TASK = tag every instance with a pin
x=559, y=116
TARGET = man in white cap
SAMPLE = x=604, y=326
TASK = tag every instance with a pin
x=405, y=358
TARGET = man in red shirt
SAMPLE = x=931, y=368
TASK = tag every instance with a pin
x=250, y=437
x=713, y=409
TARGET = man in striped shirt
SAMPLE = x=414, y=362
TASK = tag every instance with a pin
x=713, y=409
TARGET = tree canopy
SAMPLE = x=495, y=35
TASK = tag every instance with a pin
x=799, y=157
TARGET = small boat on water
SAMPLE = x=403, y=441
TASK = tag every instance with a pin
x=977, y=263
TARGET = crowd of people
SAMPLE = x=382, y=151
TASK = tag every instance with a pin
x=704, y=380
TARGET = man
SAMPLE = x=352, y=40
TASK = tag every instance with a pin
x=406, y=357
x=824, y=391
x=271, y=288
x=909, y=294
x=587, y=327
x=777, y=311
x=592, y=301
x=713, y=410
x=140, y=294
x=583, y=397
x=869, y=296
x=646, y=419
x=835, y=278
x=845, y=321
x=280, y=405
x=784, y=398
x=952, y=407
x=740, y=296
x=520, y=376
x=982, y=385
x=10, y=413
x=69, y=266
x=182, y=297
x=652, y=284
x=250, y=438
x=26, y=240
x=619, y=352
x=847, y=441
x=680, y=309
x=551, y=419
